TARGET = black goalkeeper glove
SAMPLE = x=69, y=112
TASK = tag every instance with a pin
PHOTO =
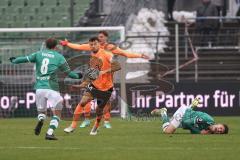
x=11, y=59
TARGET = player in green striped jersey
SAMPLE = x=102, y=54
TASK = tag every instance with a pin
x=185, y=117
x=48, y=63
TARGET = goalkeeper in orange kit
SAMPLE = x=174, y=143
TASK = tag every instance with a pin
x=103, y=40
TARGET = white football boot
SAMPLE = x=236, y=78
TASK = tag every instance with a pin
x=69, y=129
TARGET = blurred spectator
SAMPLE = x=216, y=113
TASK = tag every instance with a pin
x=238, y=14
x=170, y=6
x=221, y=7
x=238, y=11
x=207, y=28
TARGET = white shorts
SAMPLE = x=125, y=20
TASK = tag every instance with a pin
x=178, y=115
x=47, y=95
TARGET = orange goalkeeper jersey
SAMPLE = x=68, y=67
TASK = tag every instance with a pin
x=105, y=81
x=109, y=47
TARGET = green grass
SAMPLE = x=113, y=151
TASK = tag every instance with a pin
x=127, y=140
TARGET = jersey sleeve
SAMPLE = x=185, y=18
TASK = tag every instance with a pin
x=118, y=51
x=25, y=59
x=32, y=57
x=189, y=125
x=81, y=47
x=205, y=119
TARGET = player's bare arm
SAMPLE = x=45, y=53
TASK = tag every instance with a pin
x=124, y=53
x=113, y=49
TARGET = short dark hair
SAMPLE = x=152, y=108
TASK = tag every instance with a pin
x=93, y=39
x=105, y=33
x=51, y=43
x=226, y=129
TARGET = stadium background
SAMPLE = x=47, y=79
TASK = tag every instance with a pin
x=208, y=69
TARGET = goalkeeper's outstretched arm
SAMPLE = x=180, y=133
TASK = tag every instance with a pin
x=115, y=50
x=118, y=51
x=81, y=47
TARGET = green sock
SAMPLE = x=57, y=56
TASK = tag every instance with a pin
x=53, y=125
x=165, y=118
x=165, y=121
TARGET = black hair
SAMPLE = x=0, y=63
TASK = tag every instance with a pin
x=51, y=43
x=105, y=33
x=93, y=39
x=226, y=129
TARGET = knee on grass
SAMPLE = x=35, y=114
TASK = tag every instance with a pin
x=168, y=128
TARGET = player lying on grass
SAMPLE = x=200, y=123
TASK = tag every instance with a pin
x=185, y=117
x=111, y=48
x=48, y=63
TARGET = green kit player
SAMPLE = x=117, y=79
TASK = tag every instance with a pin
x=186, y=118
x=48, y=63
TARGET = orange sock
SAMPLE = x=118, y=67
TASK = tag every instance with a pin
x=107, y=116
x=97, y=121
x=87, y=110
x=77, y=113
x=106, y=111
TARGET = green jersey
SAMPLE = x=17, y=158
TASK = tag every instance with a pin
x=48, y=63
x=196, y=121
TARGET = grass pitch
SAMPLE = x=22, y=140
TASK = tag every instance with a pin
x=127, y=140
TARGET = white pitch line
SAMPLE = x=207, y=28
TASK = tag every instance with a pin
x=115, y=148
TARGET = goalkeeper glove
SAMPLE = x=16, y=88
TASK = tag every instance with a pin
x=92, y=73
x=144, y=56
x=64, y=43
x=11, y=59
